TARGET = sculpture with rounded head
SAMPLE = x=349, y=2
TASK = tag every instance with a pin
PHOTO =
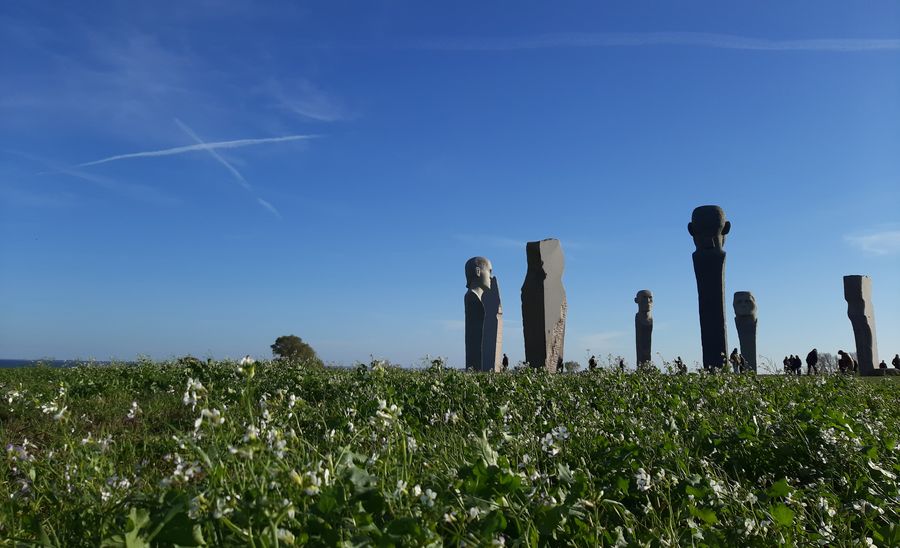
x=478, y=274
x=744, y=304
x=709, y=227
x=644, y=300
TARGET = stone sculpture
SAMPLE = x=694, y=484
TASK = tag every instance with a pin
x=484, y=317
x=709, y=227
x=858, y=293
x=643, y=326
x=544, y=305
x=745, y=320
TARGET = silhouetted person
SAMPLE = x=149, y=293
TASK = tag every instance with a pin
x=896, y=361
x=845, y=362
x=798, y=365
x=621, y=364
x=592, y=363
x=812, y=361
x=680, y=367
x=787, y=365
x=735, y=360
x=882, y=365
x=505, y=362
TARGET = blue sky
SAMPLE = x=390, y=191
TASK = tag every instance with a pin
x=326, y=170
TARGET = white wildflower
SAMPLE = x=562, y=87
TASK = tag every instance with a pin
x=643, y=480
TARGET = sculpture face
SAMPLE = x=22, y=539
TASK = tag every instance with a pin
x=478, y=273
x=709, y=227
x=644, y=300
x=744, y=304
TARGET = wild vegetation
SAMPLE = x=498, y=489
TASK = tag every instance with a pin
x=278, y=453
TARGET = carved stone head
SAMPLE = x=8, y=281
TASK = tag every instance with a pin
x=744, y=304
x=709, y=227
x=478, y=273
x=644, y=300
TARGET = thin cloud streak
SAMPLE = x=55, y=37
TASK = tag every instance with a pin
x=197, y=147
x=269, y=206
x=135, y=191
x=237, y=174
x=886, y=242
x=697, y=39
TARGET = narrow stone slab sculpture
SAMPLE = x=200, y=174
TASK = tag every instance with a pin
x=745, y=320
x=709, y=227
x=858, y=293
x=544, y=305
x=643, y=327
x=484, y=317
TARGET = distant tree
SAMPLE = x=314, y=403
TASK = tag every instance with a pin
x=827, y=362
x=571, y=367
x=292, y=347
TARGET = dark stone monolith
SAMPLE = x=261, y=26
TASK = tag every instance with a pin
x=745, y=320
x=484, y=317
x=709, y=227
x=544, y=305
x=643, y=327
x=858, y=293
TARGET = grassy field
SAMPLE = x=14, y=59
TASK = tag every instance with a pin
x=277, y=454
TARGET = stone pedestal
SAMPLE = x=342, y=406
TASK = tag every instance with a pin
x=643, y=328
x=708, y=228
x=745, y=319
x=544, y=305
x=858, y=294
x=484, y=317
x=492, y=332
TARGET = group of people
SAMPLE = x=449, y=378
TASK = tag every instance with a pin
x=846, y=363
x=738, y=362
x=793, y=365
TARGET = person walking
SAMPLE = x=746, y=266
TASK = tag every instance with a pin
x=592, y=363
x=812, y=361
x=896, y=361
x=845, y=362
x=505, y=362
x=735, y=360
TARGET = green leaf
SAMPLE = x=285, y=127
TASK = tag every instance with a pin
x=708, y=515
x=697, y=492
x=779, y=489
x=182, y=531
x=137, y=520
x=404, y=526
x=782, y=515
x=494, y=522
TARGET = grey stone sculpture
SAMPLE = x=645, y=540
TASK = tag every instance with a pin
x=709, y=227
x=544, y=305
x=858, y=293
x=643, y=326
x=745, y=320
x=484, y=317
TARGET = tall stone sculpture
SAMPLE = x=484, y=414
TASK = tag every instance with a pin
x=484, y=317
x=709, y=227
x=858, y=293
x=745, y=321
x=544, y=305
x=643, y=326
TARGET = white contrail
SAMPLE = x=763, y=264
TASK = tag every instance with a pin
x=192, y=148
x=237, y=174
x=698, y=39
x=269, y=206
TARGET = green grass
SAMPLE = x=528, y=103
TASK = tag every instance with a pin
x=291, y=455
